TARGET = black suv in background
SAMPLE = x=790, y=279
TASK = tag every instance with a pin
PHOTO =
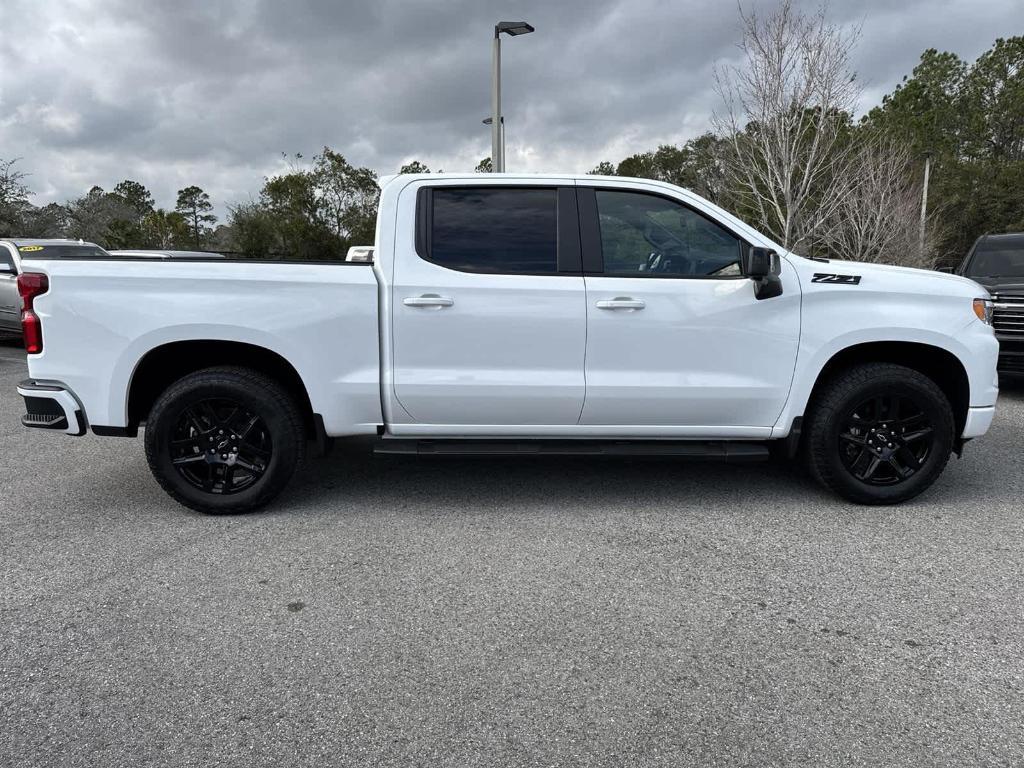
x=997, y=262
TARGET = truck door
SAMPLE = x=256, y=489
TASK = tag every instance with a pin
x=488, y=308
x=10, y=302
x=675, y=334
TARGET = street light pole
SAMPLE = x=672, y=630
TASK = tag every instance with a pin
x=497, y=161
x=490, y=121
x=512, y=28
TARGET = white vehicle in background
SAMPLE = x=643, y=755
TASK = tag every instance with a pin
x=165, y=254
x=360, y=253
x=516, y=314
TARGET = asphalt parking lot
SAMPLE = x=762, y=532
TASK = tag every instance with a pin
x=485, y=612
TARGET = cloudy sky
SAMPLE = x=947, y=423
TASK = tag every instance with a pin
x=211, y=92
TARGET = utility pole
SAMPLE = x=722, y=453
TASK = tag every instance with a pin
x=924, y=200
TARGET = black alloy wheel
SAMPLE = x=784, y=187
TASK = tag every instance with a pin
x=885, y=440
x=220, y=446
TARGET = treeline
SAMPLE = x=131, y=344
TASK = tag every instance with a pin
x=313, y=212
x=125, y=217
x=786, y=155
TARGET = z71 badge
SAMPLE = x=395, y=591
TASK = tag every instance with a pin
x=826, y=277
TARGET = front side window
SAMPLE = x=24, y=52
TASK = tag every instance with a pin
x=495, y=229
x=649, y=236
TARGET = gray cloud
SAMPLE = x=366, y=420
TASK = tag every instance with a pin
x=178, y=92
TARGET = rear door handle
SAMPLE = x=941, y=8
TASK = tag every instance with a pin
x=428, y=300
x=620, y=302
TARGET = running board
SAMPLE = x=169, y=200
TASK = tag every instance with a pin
x=715, y=450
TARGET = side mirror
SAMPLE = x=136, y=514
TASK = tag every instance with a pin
x=762, y=266
x=758, y=262
x=948, y=270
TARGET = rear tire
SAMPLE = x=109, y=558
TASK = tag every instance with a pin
x=879, y=433
x=224, y=440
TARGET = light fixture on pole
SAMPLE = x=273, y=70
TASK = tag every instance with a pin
x=512, y=28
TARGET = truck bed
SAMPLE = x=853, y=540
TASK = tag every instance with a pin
x=321, y=317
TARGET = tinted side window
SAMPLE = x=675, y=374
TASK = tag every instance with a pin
x=511, y=231
x=6, y=260
x=646, y=235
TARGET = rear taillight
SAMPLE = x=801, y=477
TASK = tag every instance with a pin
x=30, y=285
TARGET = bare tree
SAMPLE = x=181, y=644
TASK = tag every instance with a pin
x=13, y=198
x=50, y=220
x=92, y=217
x=787, y=117
x=877, y=217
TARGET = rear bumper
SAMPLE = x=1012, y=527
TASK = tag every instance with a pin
x=50, y=405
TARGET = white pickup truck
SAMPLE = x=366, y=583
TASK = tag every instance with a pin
x=515, y=314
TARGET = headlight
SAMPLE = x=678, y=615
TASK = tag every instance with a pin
x=983, y=309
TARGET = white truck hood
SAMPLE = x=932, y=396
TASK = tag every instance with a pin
x=886, y=276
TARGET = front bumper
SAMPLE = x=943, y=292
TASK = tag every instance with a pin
x=1011, y=353
x=49, y=405
x=978, y=421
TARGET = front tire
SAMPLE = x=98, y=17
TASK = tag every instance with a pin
x=879, y=433
x=224, y=440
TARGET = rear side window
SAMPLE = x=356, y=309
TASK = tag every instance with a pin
x=489, y=229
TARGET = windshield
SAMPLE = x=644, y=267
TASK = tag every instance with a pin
x=62, y=251
x=998, y=258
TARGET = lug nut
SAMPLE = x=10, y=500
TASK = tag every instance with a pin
x=224, y=456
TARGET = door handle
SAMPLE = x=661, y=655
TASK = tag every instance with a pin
x=620, y=302
x=428, y=300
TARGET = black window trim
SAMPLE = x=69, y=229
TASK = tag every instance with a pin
x=7, y=259
x=590, y=235
x=567, y=229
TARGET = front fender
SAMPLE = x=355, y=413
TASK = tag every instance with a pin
x=813, y=358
